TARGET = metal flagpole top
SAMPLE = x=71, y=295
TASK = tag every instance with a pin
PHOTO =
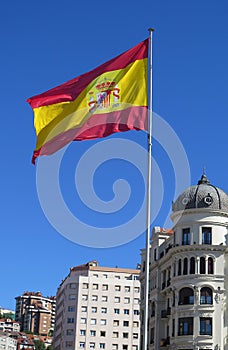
x=151, y=30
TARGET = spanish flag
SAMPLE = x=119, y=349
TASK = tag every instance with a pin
x=111, y=98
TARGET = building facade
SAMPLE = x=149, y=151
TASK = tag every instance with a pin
x=6, y=342
x=8, y=325
x=188, y=280
x=98, y=308
x=35, y=312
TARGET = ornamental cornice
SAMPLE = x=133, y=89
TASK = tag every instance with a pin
x=217, y=212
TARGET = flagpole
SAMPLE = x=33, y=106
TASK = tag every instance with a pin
x=147, y=258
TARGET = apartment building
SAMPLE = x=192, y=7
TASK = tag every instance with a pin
x=8, y=325
x=188, y=281
x=35, y=312
x=98, y=308
x=6, y=342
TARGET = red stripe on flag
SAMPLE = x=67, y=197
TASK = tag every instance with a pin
x=98, y=126
x=70, y=90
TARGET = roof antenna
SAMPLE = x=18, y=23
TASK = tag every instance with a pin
x=204, y=170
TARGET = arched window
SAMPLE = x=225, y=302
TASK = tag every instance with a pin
x=202, y=265
x=179, y=267
x=206, y=296
x=210, y=266
x=186, y=296
x=192, y=266
x=185, y=267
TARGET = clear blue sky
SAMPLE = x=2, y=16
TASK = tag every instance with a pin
x=46, y=43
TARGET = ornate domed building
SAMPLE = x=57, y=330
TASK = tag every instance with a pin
x=188, y=273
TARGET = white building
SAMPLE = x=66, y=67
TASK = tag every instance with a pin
x=188, y=273
x=98, y=308
x=6, y=342
x=8, y=325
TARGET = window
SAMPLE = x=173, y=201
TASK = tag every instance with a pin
x=202, y=265
x=135, y=324
x=206, y=235
x=125, y=335
x=70, y=332
x=185, y=267
x=93, y=333
x=114, y=346
x=83, y=320
x=117, y=299
x=179, y=267
x=205, y=326
x=102, y=333
x=104, y=298
x=127, y=289
x=125, y=347
x=136, y=289
x=136, y=312
x=126, y=323
x=192, y=266
x=84, y=297
x=126, y=311
x=210, y=266
x=135, y=336
x=103, y=322
x=73, y=285
x=126, y=300
x=70, y=320
x=94, y=309
x=104, y=287
x=105, y=275
x=81, y=345
x=186, y=236
x=136, y=301
x=95, y=286
x=117, y=288
x=135, y=347
x=93, y=321
x=115, y=334
x=71, y=308
x=186, y=296
x=69, y=344
x=206, y=295
x=72, y=297
x=116, y=311
x=116, y=323
x=102, y=345
x=173, y=327
x=85, y=285
x=152, y=335
x=84, y=308
x=94, y=297
x=153, y=309
x=92, y=345
x=82, y=332
x=117, y=277
x=185, y=326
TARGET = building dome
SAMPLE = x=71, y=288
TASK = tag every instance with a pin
x=203, y=195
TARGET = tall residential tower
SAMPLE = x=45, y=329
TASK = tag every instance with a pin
x=98, y=308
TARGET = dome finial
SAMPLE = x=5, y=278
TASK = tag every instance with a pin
x=204, y=179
